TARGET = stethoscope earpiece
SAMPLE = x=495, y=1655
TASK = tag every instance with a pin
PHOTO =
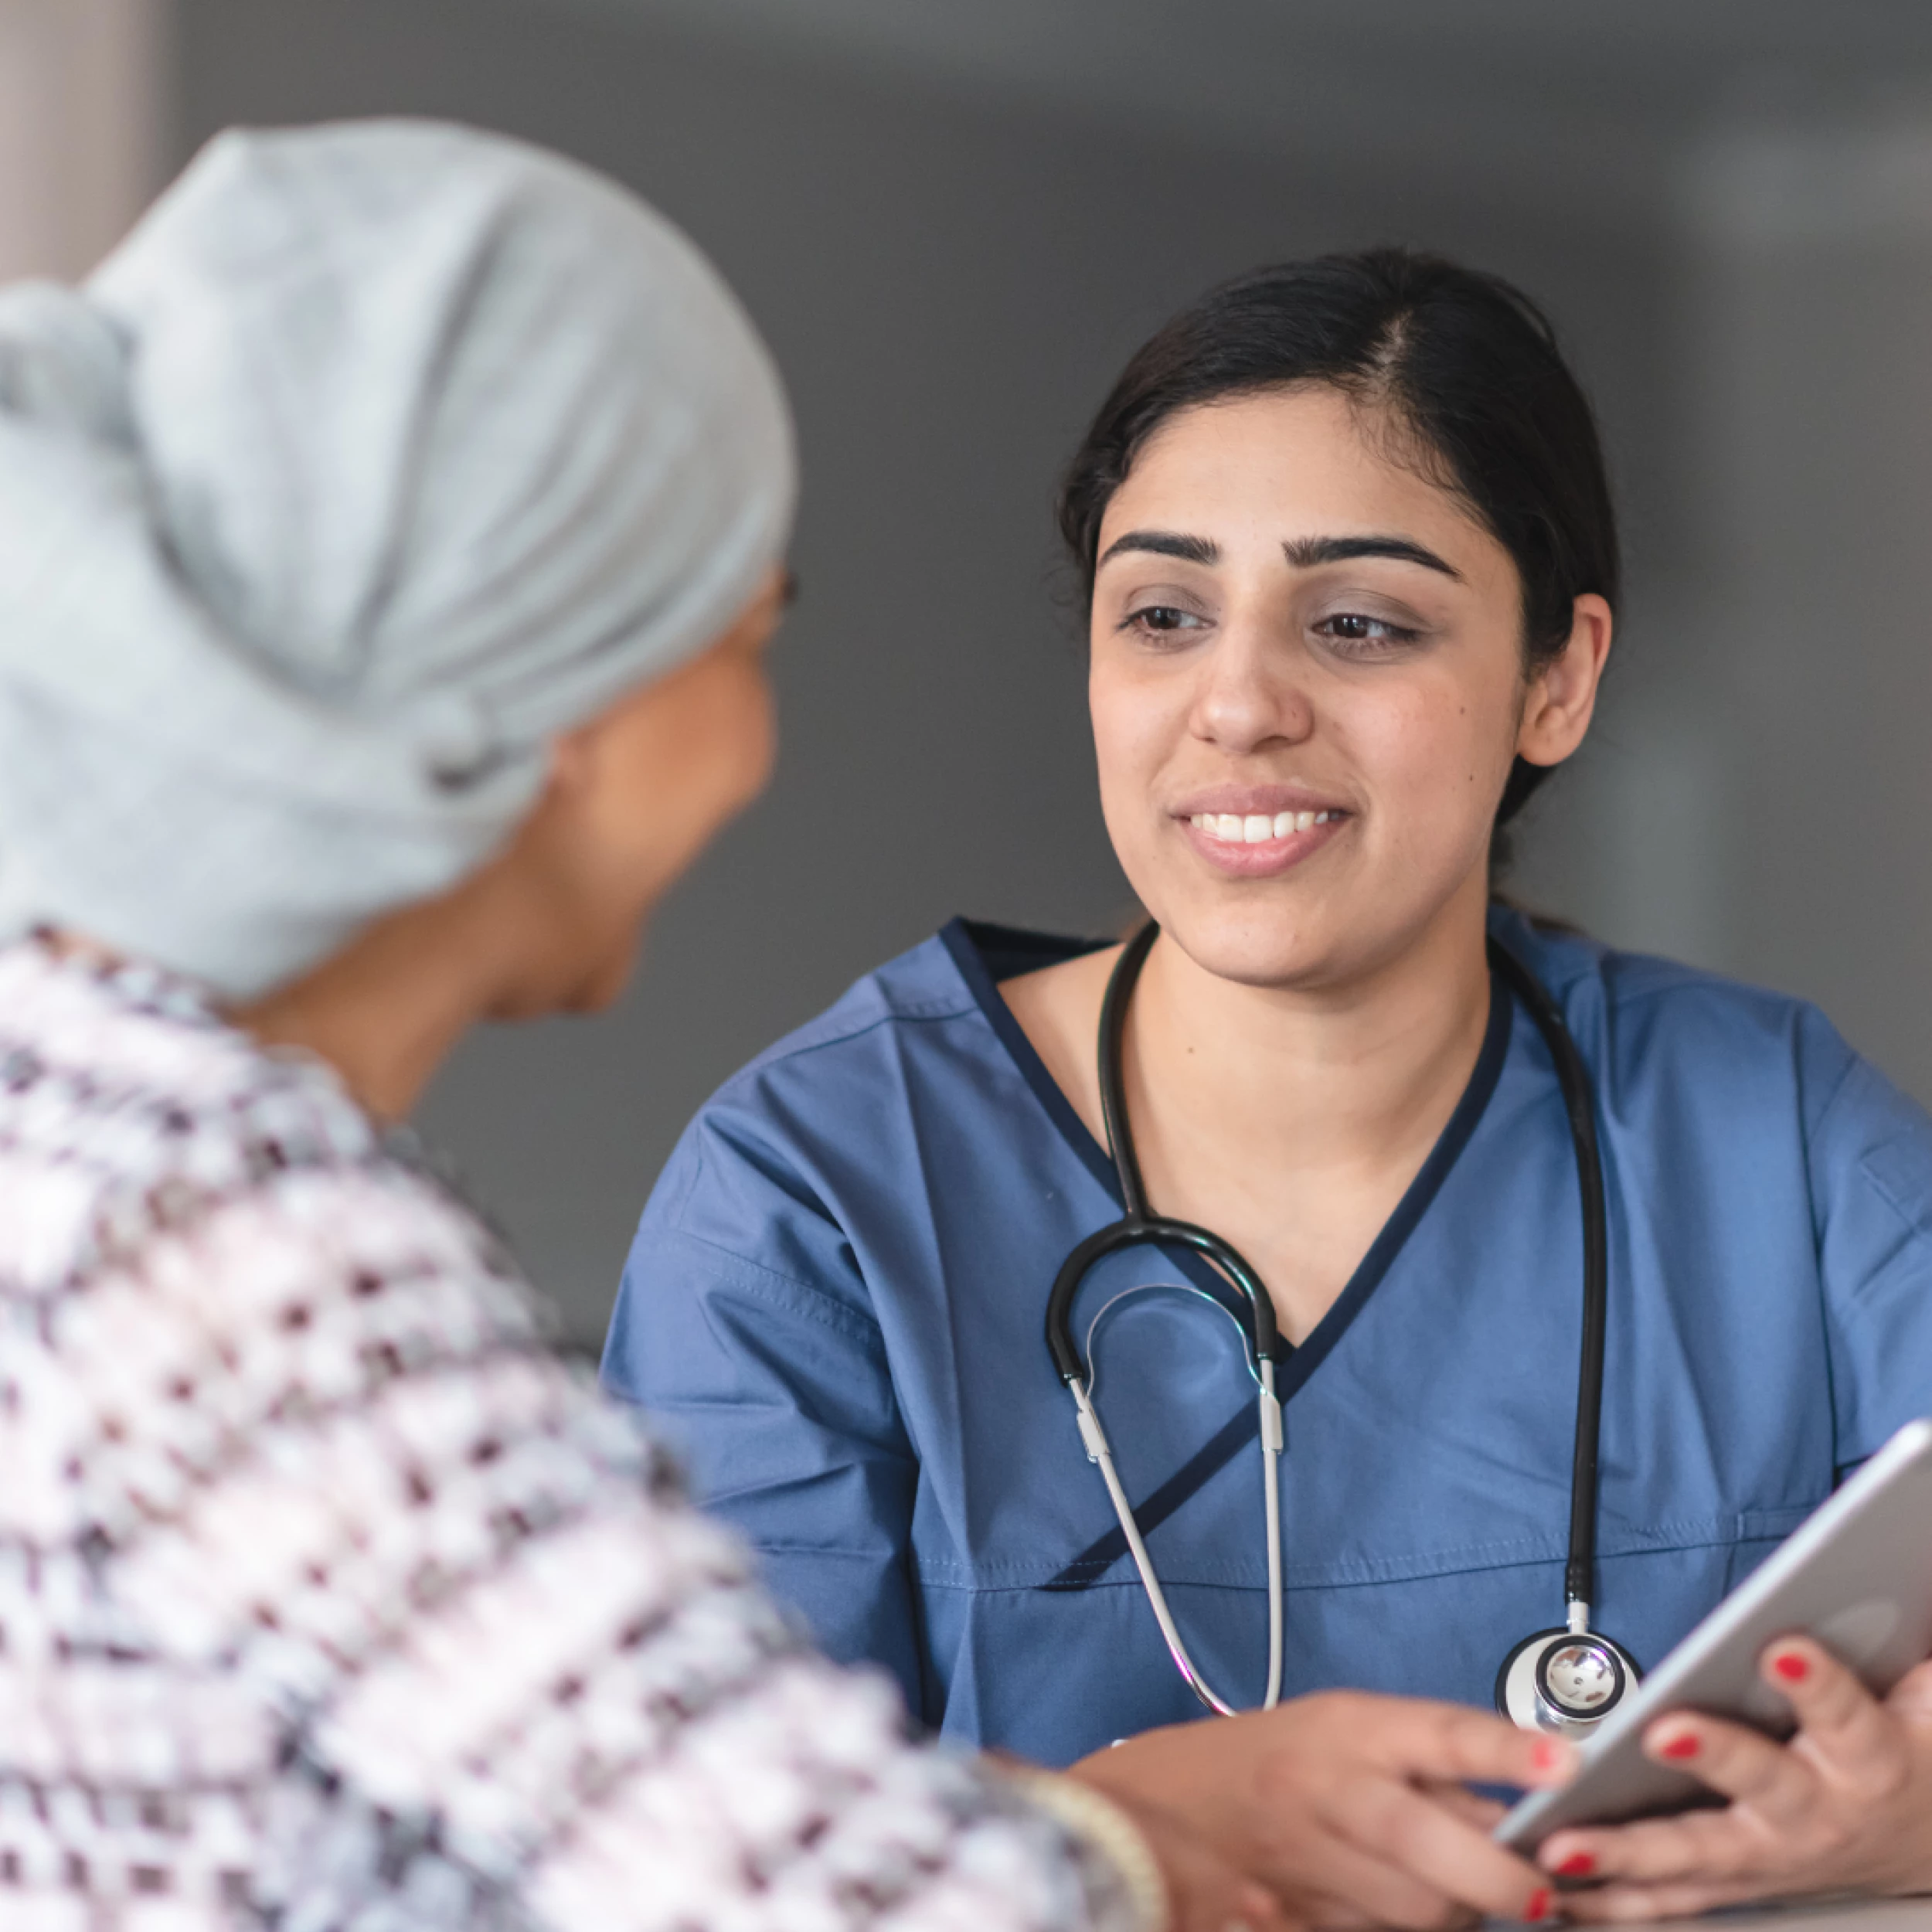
x=1564, y=1680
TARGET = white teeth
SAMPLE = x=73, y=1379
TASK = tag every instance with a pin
x=1257, y=828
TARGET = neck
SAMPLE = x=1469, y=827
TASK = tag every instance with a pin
x=1338, y=1080
x=388, y=1009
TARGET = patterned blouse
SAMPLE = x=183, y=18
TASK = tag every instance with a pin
x=328, y=1598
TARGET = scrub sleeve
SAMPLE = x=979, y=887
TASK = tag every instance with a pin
x=776, y=1389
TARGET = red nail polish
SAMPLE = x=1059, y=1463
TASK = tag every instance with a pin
x=1680, y=1747
x=1791, y=1667
x=1538, y=1905
x=1579, y=1865
x=1546, y=1754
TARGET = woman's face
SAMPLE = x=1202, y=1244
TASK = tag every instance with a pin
x=1308, y=687
x=635, y=795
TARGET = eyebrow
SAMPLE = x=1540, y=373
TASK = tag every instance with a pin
x=1305, y=552
x=1190, y=550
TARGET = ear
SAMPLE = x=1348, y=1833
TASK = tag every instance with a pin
x=572, y=761
x=1562, y=694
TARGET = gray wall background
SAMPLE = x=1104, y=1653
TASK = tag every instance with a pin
x=951, y=266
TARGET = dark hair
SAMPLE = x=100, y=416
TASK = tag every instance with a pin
x=1466, y=365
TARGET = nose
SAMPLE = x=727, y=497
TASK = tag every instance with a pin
x=1251, y=692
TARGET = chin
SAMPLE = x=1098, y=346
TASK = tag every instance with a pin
x=600, y=989
x=569, y=989
x=1248, y=954
x=593, y=996
x=1264, y=942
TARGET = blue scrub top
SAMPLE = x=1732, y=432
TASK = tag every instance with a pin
x=834, y=1308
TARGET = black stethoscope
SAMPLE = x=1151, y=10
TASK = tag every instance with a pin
x=1566, y=1679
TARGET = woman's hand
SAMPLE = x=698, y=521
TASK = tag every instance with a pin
x=1845, y=1805
x=1346, y=1809
x=1204, y=1891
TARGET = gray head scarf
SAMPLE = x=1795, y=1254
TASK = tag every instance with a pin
x=376, y=456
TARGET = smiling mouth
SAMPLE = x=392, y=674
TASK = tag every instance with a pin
x=1257, y=828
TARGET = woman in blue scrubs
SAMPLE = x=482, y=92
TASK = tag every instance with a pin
x=1352, y=570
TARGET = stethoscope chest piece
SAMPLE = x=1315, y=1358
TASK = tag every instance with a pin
x=1565, y=1682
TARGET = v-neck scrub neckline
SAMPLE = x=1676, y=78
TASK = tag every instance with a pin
x=968, y=945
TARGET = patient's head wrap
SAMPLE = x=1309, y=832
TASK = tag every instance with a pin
x=376, y=456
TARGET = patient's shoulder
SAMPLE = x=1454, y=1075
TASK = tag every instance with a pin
x=127, y=1104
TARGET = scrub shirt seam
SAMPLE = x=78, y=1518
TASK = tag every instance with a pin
x=677, y=1200
x=1885, y=1194
x=1618, y=998
x=1685, y=1536
x=920, y=1012
x=1851, y=1066
x=1913, y=1228
x=1726, y=1532
x=766, y=1548
x=1850, y=1310
x=814, y=1303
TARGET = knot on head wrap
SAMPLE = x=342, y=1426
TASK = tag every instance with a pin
x=377, y=455
x=62, y=364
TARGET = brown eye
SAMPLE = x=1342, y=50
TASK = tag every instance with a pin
x=1362, y=636
x=1162, y=619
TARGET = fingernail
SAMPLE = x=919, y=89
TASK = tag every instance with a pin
x=1538, y=1905
x=1546, y=1754
x=1686, y=1745
x=1791, y=1667
x=1579, y=1865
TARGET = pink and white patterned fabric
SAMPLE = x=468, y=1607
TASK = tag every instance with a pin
x=328, y=1598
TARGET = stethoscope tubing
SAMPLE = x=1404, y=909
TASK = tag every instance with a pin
x=1139, y=1226
x=1573, y=1080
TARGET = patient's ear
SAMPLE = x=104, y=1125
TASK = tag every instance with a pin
x=575, y=763
x=572, y=760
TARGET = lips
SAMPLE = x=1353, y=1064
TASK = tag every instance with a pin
x=1261, y=845
x=1254, y=801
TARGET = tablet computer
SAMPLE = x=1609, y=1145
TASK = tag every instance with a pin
x=1856, y=1574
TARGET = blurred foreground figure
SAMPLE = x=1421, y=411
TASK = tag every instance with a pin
x=387, y=535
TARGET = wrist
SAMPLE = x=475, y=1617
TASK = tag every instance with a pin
x=1105, y=1830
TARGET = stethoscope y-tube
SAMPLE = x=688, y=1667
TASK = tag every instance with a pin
x=1565, y=1679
